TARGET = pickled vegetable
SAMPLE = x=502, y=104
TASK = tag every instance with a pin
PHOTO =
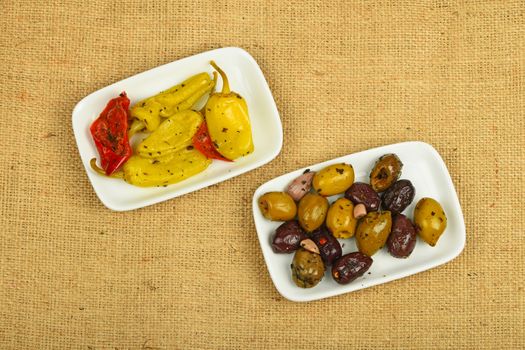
x=362, y=193
x=312, y=211
x=333, y=179
x=301, y=185
x=307, y=268
x=147, y=113
x=109, y=132
x=398, y=196
x=372, y=232
x=430, y=220
x=350, y=266
x=228, y=121
x=277, y=206
x=329, y=247
x=163, y=171
x=288, y=237
x=402, y=240
x=172, y=135
x=340, y=218
x=359, y=211
x=386, y=171
x=310, y=245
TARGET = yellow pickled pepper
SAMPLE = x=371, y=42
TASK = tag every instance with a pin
x=174, y=133
x=228, y=121
x=166, y=170
x=147, y=113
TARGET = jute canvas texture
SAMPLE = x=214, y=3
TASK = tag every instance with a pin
x=188, y=273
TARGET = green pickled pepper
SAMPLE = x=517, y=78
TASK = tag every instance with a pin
x=228, y=121
x=148, y=113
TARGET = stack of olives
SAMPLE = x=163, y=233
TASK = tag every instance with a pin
x=370, y=212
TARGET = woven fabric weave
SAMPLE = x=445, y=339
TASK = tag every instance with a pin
x=188, y=273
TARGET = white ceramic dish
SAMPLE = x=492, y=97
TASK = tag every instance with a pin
x=425, y=168
x=245, y=77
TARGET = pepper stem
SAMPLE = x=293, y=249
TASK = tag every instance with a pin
x=225, y=84
x=94, y=166
x=215, y=79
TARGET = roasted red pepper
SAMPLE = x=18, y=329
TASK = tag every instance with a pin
x=110, y=133
x=202, y=142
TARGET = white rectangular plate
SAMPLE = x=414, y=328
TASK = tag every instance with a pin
x=245, y=77
x=425, y=168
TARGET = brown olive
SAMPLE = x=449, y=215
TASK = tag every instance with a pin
x=329, y=247
x=277, y=206
x=386, y=171
x=350, y=266
x=307, y=268
x=402, y=240
x=312, y=211
x=362, y=193
x=288, y=237
x=398, y=196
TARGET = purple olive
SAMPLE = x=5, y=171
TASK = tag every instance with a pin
x=362, y=193
x=399, y=196
x=329, y=246
x=350, y=266
x=402, y=239
x=288, y=237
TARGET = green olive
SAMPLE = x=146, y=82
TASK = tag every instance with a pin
x=312, y=211
x=386, y=171
x=277, y=206
x=430, y=220
x=372, y=232
x=333, y=179
x=307, y=268
x=340, y=219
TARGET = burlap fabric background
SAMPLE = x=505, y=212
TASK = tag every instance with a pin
x=189, y=273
